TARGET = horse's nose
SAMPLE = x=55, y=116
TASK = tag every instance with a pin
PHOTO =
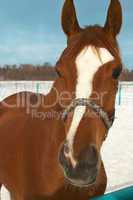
x=86, y=169
x=87, y=166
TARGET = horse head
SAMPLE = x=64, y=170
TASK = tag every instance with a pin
x=90, y=66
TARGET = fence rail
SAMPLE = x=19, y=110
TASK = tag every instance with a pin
x=8, y=88
x=124, y=95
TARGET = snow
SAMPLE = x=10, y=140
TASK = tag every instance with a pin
x=117, y=151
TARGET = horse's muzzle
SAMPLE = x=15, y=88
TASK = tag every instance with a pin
x=86, y=171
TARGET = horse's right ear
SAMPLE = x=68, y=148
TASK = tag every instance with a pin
x=70, y=23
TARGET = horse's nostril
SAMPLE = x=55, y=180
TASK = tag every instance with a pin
x=64, y=161
x=90, y=156
x=93, y=150
x=93, y=154
x=66, y=149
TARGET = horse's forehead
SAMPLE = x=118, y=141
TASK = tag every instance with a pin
x=91, y=58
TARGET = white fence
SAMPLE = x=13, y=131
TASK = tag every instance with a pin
x=124, y=95
x=8, y=88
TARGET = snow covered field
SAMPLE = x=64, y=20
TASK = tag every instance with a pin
x=117, y=151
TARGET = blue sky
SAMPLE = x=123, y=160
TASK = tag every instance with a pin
x=30, y=30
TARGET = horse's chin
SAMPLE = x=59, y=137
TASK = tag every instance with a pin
x=81, y=184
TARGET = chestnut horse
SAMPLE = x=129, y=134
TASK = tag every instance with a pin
x=50, y=145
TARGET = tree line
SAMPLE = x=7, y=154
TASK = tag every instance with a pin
x=44, y=72
x=27, y=72
x=127, y=75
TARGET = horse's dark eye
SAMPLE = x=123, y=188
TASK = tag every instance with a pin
x=116, y=72
x=57, y=73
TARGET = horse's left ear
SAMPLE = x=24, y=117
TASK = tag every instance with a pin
x=114, y=18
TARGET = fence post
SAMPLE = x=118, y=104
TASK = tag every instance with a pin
x=37, y=87
x=120, y=94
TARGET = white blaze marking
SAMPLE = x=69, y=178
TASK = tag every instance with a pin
x=87, y=62
x=5, y=195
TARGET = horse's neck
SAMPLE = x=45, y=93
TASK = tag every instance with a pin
x=54, y=112
x=52, y=100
